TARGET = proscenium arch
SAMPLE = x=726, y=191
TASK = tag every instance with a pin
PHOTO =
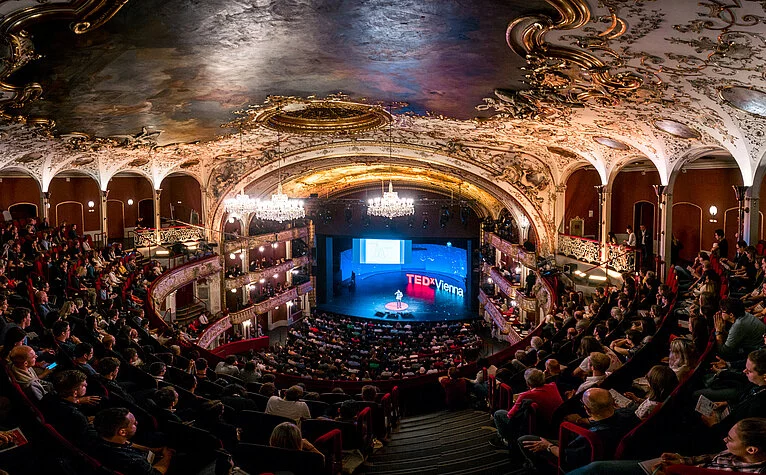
x=483, y=178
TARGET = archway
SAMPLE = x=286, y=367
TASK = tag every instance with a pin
x=69, y=212
x=687, y=226
x=23, y=210
x=76, y=191
x=145, y=213
x=115, y=219
x=181, y=198
x=127, y=192
x=581, y=202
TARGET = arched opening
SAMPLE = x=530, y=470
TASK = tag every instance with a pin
x=69, y=213
x=76, y=191
x=633, y=198
x=115, y=219
x=581, y=203
x=23, y=210
x=687, y=226
x=127, y=192
x=704, y=182
x=181, y=198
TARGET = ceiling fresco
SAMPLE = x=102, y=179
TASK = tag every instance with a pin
x=183, y=67
x=506, y=97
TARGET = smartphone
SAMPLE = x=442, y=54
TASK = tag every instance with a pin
x=52, y=365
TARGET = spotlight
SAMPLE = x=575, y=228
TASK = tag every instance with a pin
x=262, y=281
x=274, y=245
x=232, y=256
x=425, y=223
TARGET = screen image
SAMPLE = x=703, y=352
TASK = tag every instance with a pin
x=381, y=251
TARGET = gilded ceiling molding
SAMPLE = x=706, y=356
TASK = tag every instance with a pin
x=85, y=15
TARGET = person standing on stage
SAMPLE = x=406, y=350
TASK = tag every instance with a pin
x=398, y=295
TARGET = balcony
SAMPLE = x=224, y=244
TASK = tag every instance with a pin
x=618, y=258
x=506, y=331
x=255, y=276
x=151, y=237
x=515, y=251
x=252, y=242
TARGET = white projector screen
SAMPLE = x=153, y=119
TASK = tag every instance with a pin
x=382, y=251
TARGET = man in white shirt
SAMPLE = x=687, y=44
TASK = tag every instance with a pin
x=631, y=241
x=290, y=406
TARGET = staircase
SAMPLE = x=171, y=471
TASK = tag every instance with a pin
x=445, y=443
x=187, y=314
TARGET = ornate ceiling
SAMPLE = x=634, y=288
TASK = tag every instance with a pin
x=182, y=86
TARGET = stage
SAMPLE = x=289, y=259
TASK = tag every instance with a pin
x=423, y=300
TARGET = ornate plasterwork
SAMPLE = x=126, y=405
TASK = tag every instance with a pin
x=17, y=16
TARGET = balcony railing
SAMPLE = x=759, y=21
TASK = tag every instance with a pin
x=176, y=278
x=504, y=326
x=151, y=237
x=619, y=258
x=255, y=276
x=251, y=242
x=515, y=251
x=212, y=332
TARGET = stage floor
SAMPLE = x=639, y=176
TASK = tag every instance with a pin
x=374, y=292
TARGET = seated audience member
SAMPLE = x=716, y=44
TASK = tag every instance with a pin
x=662, y=381
x=108, y=369
x=628, y=346
x=456, y=389
x=745, y=453
x=228, y=366
x=681, y=358
x=479, y=385
x=599, y=364
x=166, y=400
x=23, y=359
x=268, y=389
x=743, y=336
x=250, y=373
x=235, y=396
x=62, y=335
x=751, y=403
x=609, y=425
x=83, y=354
x=62, y=407
x=288, y=436
x=290, y=407
x=210, y=418
x=552, y=370
x=115, y=427
x=547, y=398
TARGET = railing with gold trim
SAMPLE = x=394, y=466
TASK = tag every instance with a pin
x=151, y=237
x=580, y=248
x=176, y=278
x=255, y=276
x=216, y=329
x=515, y=251
x=621, y=258
x=249, y=242
x=506, y=330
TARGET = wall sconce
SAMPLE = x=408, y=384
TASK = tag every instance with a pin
x=130, y=201
x=232, y=256
x=91, y=205
x=276, y=276
x=274, y=245
x=234, y=291
x=713, y=213
x=261, y=249
x=489, y=280
x=262, y=281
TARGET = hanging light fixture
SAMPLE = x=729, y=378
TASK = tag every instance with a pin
x=281, y=207
x=390, y=205
x=240, y=205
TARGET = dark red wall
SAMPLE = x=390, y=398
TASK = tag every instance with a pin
x=19, y=190
x=80, y=190
x=184, y=189
x=581, y=197
x=629, y=188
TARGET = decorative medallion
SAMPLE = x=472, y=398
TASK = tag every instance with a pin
x=563, y=152
x=29, y=158
x=139, y=162
x=323, y=117
x=190, y=163
x=611, y=143
x=82, y=161
x=747, y=99
x=676, y=129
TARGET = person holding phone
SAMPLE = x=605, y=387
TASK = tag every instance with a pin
x=23, y=360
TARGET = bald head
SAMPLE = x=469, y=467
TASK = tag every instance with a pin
x=599, y=403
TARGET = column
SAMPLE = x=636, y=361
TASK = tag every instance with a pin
x=288, y=250
x=559, y=211
x=104, y=225
x=664, y=234
x=157, y=224
x=46, y=211
x=740, y=192
x=752, y=226
x=604, y=218
x=215, y=293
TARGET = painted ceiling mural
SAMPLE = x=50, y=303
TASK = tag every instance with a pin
x=507, y=96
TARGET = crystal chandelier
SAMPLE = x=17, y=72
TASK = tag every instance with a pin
x=280, y=208
x=240, y=205
x=390, y=205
